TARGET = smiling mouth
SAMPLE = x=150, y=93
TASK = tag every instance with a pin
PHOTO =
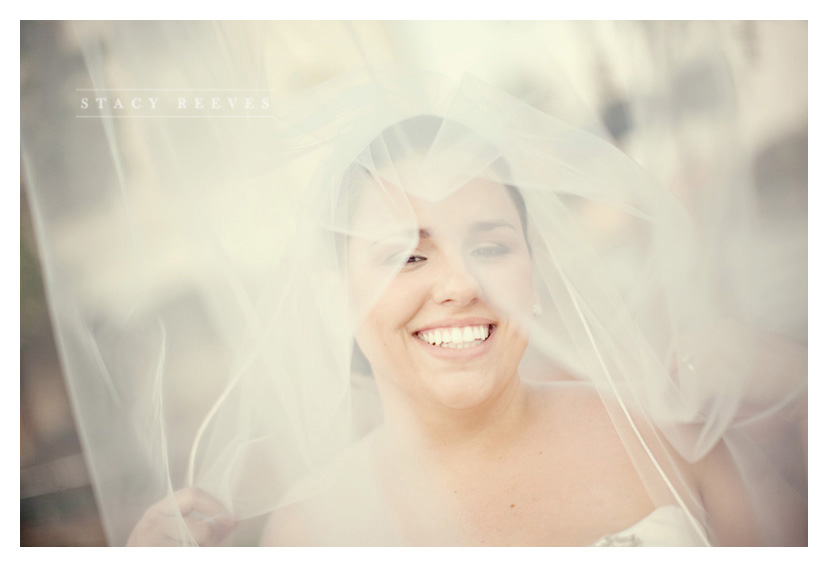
x=456, y=337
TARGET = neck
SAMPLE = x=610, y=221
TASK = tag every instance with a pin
x=446, y=434
x=428, y=452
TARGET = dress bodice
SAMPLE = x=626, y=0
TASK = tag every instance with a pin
x=666, y=526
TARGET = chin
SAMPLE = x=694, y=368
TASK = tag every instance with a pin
x=464, y=390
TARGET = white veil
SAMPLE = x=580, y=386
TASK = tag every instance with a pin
x=194, y=188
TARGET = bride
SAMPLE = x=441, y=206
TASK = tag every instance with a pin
x=442, y=290
x=480, y=325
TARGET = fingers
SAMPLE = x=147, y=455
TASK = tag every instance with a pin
x=194, y=499
x=189, y=531
x=190, y=516
x=157, y=530
x=207, y=519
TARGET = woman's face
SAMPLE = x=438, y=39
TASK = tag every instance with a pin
x=433, y=333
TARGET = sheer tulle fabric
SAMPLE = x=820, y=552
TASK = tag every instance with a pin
x=245, y=253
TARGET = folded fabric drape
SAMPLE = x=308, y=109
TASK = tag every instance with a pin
x=290, y=290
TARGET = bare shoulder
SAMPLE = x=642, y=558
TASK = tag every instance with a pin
x=731, y=509
x=341, y=511
x=586, y=424
x=573, y=405
x=608, y=423
x=601, y=423
x=602, y=486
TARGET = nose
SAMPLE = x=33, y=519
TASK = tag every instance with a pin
x=455, y=284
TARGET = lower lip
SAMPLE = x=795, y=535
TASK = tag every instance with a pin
x=459, y=353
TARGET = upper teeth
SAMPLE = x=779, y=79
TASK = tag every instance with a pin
x=456, y=337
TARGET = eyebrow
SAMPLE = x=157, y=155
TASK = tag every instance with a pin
x=482, y=226
x=424, y=234
x=491, y=225
x=398, y=236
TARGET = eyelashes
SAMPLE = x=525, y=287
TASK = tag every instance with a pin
x=405, y=262
x=398, y=258
x=489, y=251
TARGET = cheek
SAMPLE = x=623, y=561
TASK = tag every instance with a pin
x=367, y=301
x=510, y=285
x=385, y=321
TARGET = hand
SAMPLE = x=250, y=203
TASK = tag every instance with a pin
x=206, y=520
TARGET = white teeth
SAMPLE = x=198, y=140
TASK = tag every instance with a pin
x=468, y=335
x=456, y=337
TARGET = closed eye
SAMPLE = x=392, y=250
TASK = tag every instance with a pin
x=491, y=251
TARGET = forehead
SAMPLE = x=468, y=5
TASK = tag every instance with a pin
x=382, y=207
x=480, y=200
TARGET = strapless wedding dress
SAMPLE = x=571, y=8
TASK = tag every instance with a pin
x=667, y=526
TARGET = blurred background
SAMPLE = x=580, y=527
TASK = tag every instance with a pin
x=714, y=110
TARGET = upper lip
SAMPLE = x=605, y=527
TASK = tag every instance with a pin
x=449, y=323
